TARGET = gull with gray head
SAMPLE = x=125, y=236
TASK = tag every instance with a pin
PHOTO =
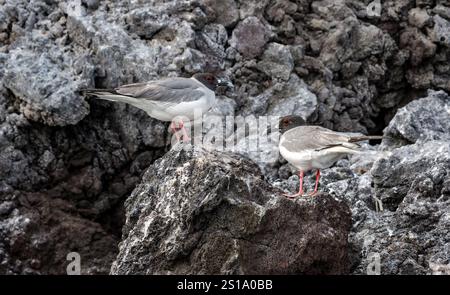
x=314, y=147
x=168, y=98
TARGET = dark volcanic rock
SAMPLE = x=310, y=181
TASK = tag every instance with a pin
x=47, y=93
x=249, y=37
x=227, y=13
x=68, y=163
x=422, y=120
x=199, y=212
x=409, y=181
x=419, y=168
x=414, y=239
x=37, y=234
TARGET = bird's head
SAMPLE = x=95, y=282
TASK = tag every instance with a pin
x=212, y=81
x=289, y=122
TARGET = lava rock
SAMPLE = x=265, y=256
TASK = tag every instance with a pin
x=412, y=236
x=38, y=237
x=419, y=45
x=199, y=212
x=419, y=17
x=249, y=37
x=227, y=13
x=411, y=164
x=353, y=68
x=441, y=30
x=48, y=94
x=277, y=61
x=290, y=97
x=422, y=120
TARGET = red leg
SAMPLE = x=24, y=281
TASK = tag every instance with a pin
x=186, y=137
x=301, y=174
x=300, y=190
x=174, y=130
x=317, y=183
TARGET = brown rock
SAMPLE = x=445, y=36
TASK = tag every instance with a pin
x=249, y=37
x=212, y=213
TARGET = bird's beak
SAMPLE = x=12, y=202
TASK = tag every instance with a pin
x=226, y=83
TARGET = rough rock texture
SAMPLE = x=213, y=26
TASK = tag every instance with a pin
x=420, y=121
x=63, y=189
x=49, y=95
x=410, y=181
x=38, y=232
x=198, y=212
x=345, y=65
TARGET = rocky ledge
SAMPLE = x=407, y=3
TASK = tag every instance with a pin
x=200, y=212
x=399, y=193
x=67, y=164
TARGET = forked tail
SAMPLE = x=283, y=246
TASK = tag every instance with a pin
x=111, y=95
x=364, y=137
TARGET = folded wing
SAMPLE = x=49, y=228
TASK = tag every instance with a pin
x=162, y=94
x=316, y=138
x=168, y=91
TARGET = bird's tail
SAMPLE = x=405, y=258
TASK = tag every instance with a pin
x=364, y=137
x=111, y=95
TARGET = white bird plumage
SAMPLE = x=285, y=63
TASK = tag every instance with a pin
x=314, y=147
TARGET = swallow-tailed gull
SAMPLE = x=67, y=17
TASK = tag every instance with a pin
x=168, y=98
x=314, y=147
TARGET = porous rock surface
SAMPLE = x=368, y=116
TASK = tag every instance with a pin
x=409, y=180
x=200, y=212
x=67, y=163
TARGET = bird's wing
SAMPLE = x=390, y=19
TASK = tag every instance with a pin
x=315, y=138
x=168, y=91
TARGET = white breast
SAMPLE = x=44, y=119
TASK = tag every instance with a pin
x=184, y=109
x=197, y=107
x=311, y=159
x=300, y=160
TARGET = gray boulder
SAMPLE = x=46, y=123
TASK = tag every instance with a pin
x=422, y=167
x=412, y=235
x=422, y=120
x=198, y=212
x=277, y=61
x=47, y=93
x=227, y=12
x=249, y=37
x=38, y=233
x=284, y=97
x=347, y=68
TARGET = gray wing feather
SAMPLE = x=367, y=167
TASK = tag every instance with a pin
x=167, y=91
x=315, y=138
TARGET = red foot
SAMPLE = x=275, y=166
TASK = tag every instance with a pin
x=293, y=196
x=176, y=129
x=300, y=191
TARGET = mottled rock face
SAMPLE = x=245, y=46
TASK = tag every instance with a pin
x=46, y=93
x=227, y=13
x=408, y=177
x=249, y=37
x=277, y=61
x=414, y=167
x=38, y=233
x=339, y=64
x=422, y=120
x=209, y=213
x=412, y=235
